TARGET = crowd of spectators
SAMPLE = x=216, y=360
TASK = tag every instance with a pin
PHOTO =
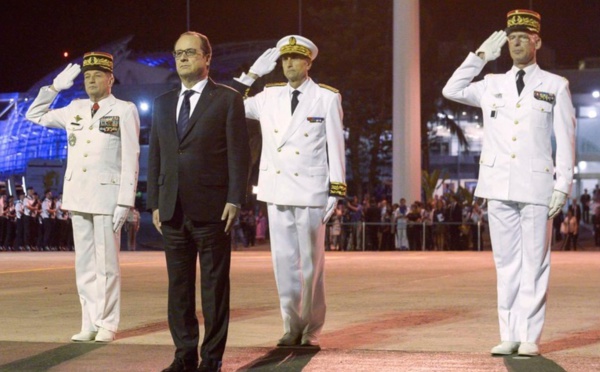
x=31, y=223
x=379, y=225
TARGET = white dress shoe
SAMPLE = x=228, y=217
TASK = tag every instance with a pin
x=104, y=335
x=528, y=349
x=84, y=336
x=505, y=348
x=289, y=339
x=309, y=339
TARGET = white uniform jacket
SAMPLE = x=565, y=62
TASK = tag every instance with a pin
x=301, y=154
x=102, y=166
x=516, y=158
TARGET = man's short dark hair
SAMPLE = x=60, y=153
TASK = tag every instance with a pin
x=204, y=43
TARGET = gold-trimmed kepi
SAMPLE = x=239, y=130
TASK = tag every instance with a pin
x=298, y=45
x=523, y=20
x=97, y=61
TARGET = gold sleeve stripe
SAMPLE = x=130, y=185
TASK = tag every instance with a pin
x=337, y=189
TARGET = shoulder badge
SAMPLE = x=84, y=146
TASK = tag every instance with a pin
x=270, y=85
x=328, y=87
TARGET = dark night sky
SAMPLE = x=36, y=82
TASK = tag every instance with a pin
x=35, y=33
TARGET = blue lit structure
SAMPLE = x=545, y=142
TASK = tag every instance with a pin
x=140, y=77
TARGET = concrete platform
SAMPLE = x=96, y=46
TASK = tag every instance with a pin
x=387, y=311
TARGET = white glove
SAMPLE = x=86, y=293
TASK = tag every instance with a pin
x=557, y=201
x=265, y=63
x=331, y=203
x=64, y=80
x=119, y=217
x=492, y=47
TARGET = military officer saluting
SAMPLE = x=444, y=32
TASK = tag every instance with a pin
x=99, y=185
x=301, y=175
x=524, y=187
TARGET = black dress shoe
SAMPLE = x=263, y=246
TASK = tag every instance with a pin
x=210, y=365
x=179, y=365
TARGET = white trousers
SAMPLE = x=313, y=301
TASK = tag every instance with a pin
x=298, y=251
x=97, y=271
x=520, y=235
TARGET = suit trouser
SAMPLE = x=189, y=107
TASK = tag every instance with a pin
x=184, y=241
x=520, y=237
x=297, y=248
x=97, y=271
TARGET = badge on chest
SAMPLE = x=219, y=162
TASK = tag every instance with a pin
x=109, y=124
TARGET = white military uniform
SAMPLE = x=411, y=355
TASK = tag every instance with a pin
x=302, y=156
x=102, y=172
x=516, y=176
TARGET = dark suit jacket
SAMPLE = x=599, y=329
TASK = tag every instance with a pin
x=209, y=167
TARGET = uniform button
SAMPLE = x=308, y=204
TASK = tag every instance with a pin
x=113, y=181
x=296, y=174
x=305, y=134
x=480, y=161
x=276, y=131
x=88, y=141
x=297, y=152
x=494, y=105
x=513, y=156
x=518, y=105
x=542, y=110
x=278, y=172
x=85, y=155
x=85, y=170
x=278, y=150
x=514, y=138
x=547, y=170
x=516, y=122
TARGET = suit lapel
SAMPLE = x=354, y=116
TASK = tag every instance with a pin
x=203, y=103
x=171, y=113
x=308, y=99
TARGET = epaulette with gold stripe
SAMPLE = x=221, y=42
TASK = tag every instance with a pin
x=275, y=85
x=328, y=87
x=337, y=189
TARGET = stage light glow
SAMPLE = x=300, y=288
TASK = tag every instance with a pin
x=66, y=54
x=595, y=94
x=144, y=106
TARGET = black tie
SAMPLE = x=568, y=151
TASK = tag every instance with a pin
x=520, y=82
x=184, y=113
x=295, y=95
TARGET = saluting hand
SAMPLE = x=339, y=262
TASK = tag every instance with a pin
x=265, y=63
x=64, y=80
x=491, y=48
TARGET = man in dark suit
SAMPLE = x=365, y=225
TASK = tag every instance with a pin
x=197, y=176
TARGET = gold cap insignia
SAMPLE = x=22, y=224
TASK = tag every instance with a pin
x=97, y=61
x=523, y=20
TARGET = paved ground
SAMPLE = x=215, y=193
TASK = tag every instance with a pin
x=387, y=311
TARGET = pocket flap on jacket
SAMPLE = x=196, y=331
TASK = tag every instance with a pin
x=542, y=166
x=109, y=179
